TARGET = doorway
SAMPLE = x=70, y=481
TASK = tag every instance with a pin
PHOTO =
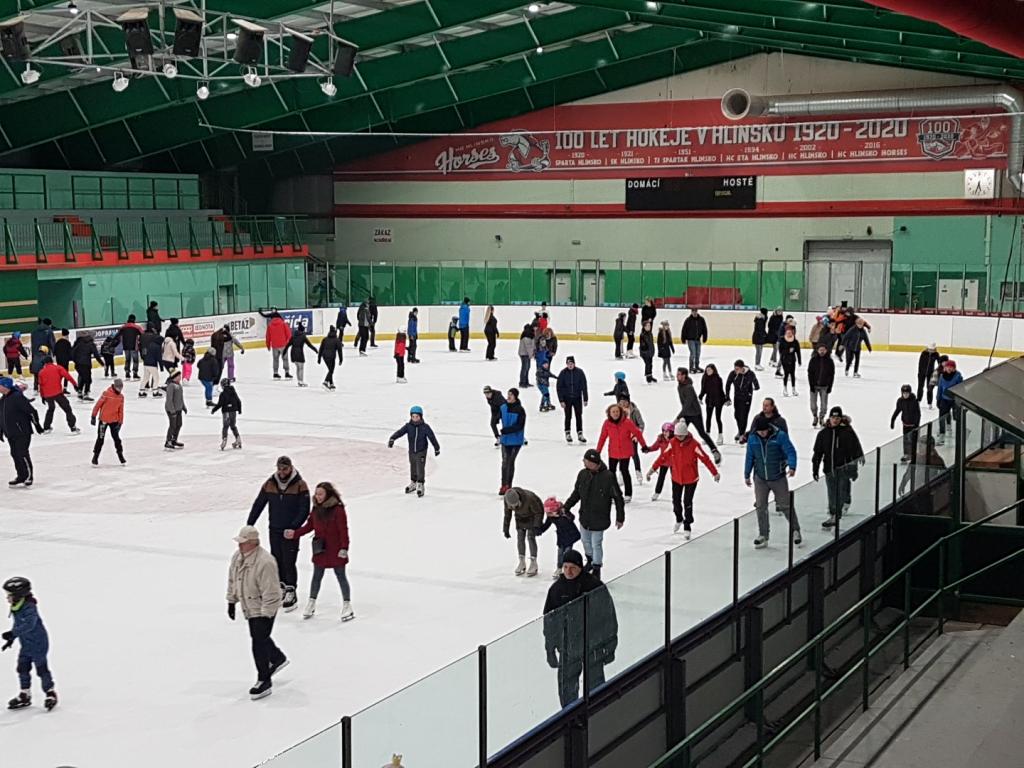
x=854, y=271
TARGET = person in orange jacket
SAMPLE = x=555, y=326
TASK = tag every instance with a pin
x=51, y=389
x=620, y=432
x=109, y=413
x=279, y=336
x=681, y=458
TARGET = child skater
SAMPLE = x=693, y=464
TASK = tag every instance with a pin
x=544, y=385
x=230, y=406
x=661, y=445
x=418, y=432
x=400, y=345
x=28, y=630
x=620, y=390
x=107, y=351
x=665, y=350
x=14, y=351
x=565, y=529
x=908, y=409
x=632, y=411
x=681, y=458
x=453, y=332
x=188, y=359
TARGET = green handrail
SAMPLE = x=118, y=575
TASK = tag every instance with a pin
x=682, y=749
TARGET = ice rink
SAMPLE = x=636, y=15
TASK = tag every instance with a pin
x=129, y=563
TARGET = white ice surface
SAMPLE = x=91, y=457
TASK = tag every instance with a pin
x=129, y=563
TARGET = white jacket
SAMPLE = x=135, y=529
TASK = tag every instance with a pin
x=253, y=582
x=170, y=351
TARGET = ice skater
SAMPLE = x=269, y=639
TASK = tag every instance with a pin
x=760, y=336
x=774, y=327
x=413, y=332
x=108, y=349
x=464, y=312
x=17, y=420
x=948, y=378
x=188, y=359
x=618, y=333
x=513, y=437
x=174, y=405
x=278, y=337
x=661, y=444
x=527, y=350
x=399, y=355
x=771, y=460
x=494, y=400
x=209, y=373
x=108, y=416
x=852, y=340
x=297, y=346
x=619, y=389
x=712, y=394
x=647, y=350
x=528, y=510
x=544, y=386
x=665, y=350
x=620, y=432
x=51, y=389
x=453, y=333
x=908, y=409
x=695, y=334
x=789, y=359
x=821, y=375
x=14, y=352
x=742, y=382
x=328, y=522
x=838, y=448
x=83, y=352
x=418, y=433
x=330, y=354
x=230, y=406
x=30, y=632
x=566, y=532
x=571, y=388
x=595, y=490
x=681, y=458
x=927, y=363
x=689, y=409
x=151, y=348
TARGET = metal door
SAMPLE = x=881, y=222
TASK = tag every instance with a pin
x=829, y=284
x=854, y=271
x=591, y=283
x=561, y=287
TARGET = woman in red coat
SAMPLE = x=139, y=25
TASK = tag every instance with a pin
x=620, y=432
x=681, y=458
x=329, y=525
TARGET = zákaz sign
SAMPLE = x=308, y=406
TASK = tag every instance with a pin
x=697, y=193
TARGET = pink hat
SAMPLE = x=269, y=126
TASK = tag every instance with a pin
x=552, y=504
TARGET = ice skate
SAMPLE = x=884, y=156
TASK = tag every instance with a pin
x=262, y=689
x=532, y=569
x=142, y=393
x=76, y=431
x=580, y=437
x=290, y=602
x=362, y=354
x=686, y=534
x=557, y=572
x=654, y=496
x=627, y=499
x=287, y=375
x=347, y=614
x=419, y=490
x=237, y=445
x=410, y=488
x=940, y=440
x=95, y=459
x=47, y=430
x=223, y=443
x=847, y=371
x=310, y=609
x=497, y=443
x=121, y=458
x=760, y=542
x=303, y=384
x=51, y=700
x=168, y=446
x=22, y=700
x=795, y=393
x=327, y=386
x=904, y=459
x=277, y=375
x=157, y=393
x=177, y=445
x=846, y=508
x=639, y=477
x=275, y=668
x=717, y=456
x=720, y=440
x=758, y=367
x=797, y=539
x=785, y=391
x=856, y=375
x=209, y=403
x=676, y=527
x=568, y=437
x=596, y=571
x=830, y=522
x=521, y=568
x=814, y=423
x=400, y=380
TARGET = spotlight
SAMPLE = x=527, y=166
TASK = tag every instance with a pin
x=249, y=49
x=170, y=70
x=203, y=92
x=329, y=88
x=30, y=75
x=533, y=8
x=345, y=58
x=653, y=6
x=188, y=33
x=252, y=78
x=298, y=56
x=72, y=8
x=540, y=49
x=120, y=82
x=232, y=37
x=13, y=42
x=137, y=40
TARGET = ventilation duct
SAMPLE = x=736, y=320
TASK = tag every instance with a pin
x=738, y=104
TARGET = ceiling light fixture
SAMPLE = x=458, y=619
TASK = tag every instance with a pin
x=232, y=36
x=120, y=82
x=170, y=70
x=30, y=75
x=533, y=8
x=252, y=78
x=72, y=8
x=540, y=49
x=329, y=88
x=203, y=92
x=653, y=6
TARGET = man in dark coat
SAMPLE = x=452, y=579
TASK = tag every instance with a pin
x=495, y=400
x=342, y=321
x=574, y=592
x=631, y=329
x=288, y=497
x=926, y=362
x=129, y=335
x=83, y=352
x=374, y=314
x=573, y=396
x=691, y=411
x=821, y=375
x=838, y=446
x=363, y=324
x=596, y=490
x=42, y=336
x=153, y=316
x=17, y=420
x=174, y=332
x=695, y=334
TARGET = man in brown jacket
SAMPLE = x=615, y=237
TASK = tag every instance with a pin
x=253, y=582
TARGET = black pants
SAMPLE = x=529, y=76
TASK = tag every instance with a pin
x=173, y=426
x=630, y=340
x=65, y=406
x=115, y=435
x=451, y=341
x=84, y=380
x=697, y=423
x=789, y=371
x=108, y=365
x=14, y=364
x=492, y=340
x=19, y=445
x=418, y=466
x=229, y=421
x=623, y=466
x=682, y=503
x=716, y=411
x=373, y=334
x=400, y=366
x=363, y=337
x=946, y=416
x=923, y=383
x=662, y=471
x=329, y=378
x=618, y=347
x=411, y=350
x=464, y=338
x=286, y=552
x=569, y=679
x=265, y=652
x=524, y=371
x=853, y=357
x=571, y=407
x=508, y=464
x=909, y=438
x=648, y=359
x=742, y=411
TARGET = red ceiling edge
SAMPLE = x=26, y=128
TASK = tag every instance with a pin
x=996, y=23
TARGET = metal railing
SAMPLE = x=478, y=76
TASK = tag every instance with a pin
x=681, y=753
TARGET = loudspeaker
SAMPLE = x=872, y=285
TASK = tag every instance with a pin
x=299, y=55
x=345, y=58
x=188, y=34
x=13, y=43
x=249, y=46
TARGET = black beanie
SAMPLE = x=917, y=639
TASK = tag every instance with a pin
x=574, y=557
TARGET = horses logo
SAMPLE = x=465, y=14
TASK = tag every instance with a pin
x=939, y=138
x=527, y=153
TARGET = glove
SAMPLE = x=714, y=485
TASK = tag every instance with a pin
x=242, y=351
x=508, y=535
x=231, y=611
x=815, y=476
x=437, y=451
x=391, y=443
x=552, y=658
x=343, y=553
x=93, y=421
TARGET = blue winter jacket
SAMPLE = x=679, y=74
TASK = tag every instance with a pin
x=769, y=458
x=418, y=435
x=28, y=629
x=945, y=384
x=513, y=425
x=412, y=327
x=464, y=315
x=572, y=386
x=565, y=529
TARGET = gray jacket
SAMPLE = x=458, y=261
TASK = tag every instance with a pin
x=526, y=346
x=174, y=398
x=637, y=417
x=228, y=350
x=690, y=409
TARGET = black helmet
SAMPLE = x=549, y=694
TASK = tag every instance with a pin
x=18, y=587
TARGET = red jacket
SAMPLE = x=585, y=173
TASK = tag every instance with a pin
x=279, y=333
x=333, y=530
x=620, y=436
x=110, y=407
x=400, y=345
x=662, y=444
x=13, y=348
x=681, y=459
x=50, y=378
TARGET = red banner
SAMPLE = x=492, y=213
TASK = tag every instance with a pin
x=664, y=138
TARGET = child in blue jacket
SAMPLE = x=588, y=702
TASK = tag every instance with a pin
x=28, y=630
x=565, y=529
x=418, y=433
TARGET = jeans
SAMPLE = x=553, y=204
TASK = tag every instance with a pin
x=464, y=338
x=524, y=535
x=780, y=489
x=280, y=357
x=682, y=503
x=716, y=411
x=623, y=466
x=571, y=407
x=339, y=574
x=264, y=652
x=758, y=351
x=25, y=663
x=508, y=463
x=819, y=403
x=593, y=545
x=229, y=421
x=131, y=362
x=838, y=486
x=418, y=466
x=286, y=553
x=173, y=426
x=545, y=395
x=694, y=346
x=524, y=371
x=207, y=389
x=65, y=406
x=19, y=445
x=115, y=435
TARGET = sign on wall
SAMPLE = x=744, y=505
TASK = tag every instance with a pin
x=383, y=235
x=694, y=193
x=304, y=315
x=658, y=138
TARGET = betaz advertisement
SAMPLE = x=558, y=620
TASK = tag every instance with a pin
x=247, y=327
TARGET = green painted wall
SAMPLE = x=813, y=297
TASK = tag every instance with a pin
x=19, y=298
x=108, y=295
